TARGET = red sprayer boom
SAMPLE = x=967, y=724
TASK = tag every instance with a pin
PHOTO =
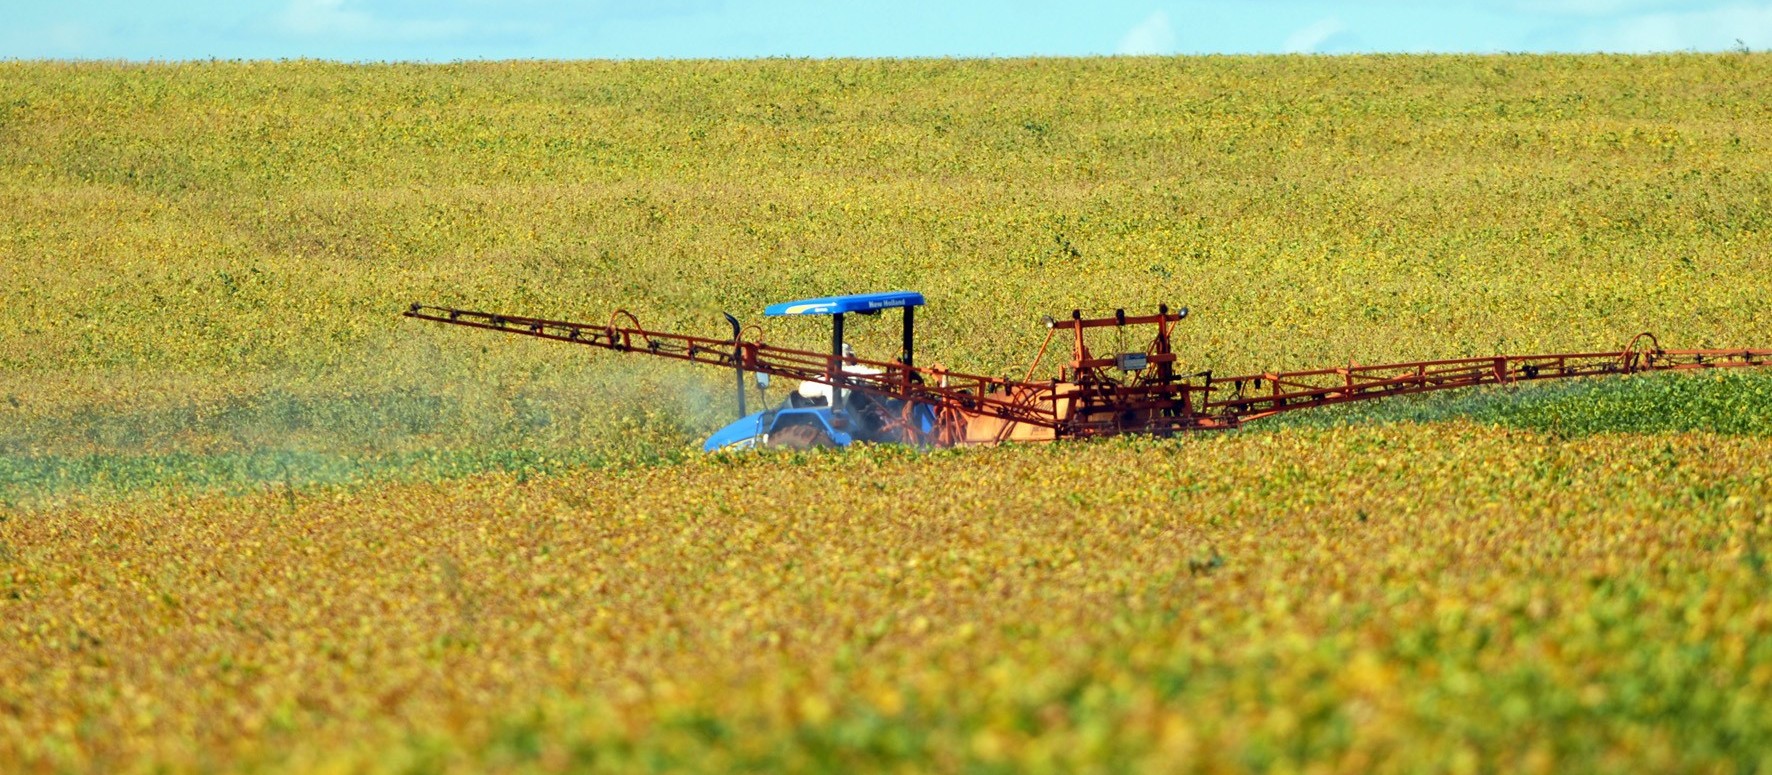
x=1095, y=394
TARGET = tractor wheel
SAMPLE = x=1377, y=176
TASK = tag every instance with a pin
x=801, y=437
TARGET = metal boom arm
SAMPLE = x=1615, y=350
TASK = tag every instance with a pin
x=1260, y=395
x=1084, y=401
x=938, y=387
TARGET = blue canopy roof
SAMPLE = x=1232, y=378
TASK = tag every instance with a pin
x=836, y=305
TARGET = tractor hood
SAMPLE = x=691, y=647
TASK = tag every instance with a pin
x=743, y=433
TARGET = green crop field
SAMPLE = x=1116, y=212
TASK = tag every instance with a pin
x=251, y=519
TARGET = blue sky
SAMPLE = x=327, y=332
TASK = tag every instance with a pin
x=623, y=29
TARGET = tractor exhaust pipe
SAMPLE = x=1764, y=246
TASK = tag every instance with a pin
x=737, y=361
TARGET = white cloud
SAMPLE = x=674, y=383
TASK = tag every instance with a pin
x=72, y=38
x=1154, y=35
x=1717, y=29
x=324, y=17
x=330, y=18
x=1611, y=8
x=1311, y=38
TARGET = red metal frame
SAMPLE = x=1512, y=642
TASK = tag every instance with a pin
x=1092, y=396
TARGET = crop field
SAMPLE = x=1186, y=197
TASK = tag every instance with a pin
x=250, y=519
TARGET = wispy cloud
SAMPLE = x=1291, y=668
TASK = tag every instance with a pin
x=1154, y=35
x=73, y=37
x=1311, y=38
x=1596, y=8
x=333, y=19
x=1716, y=29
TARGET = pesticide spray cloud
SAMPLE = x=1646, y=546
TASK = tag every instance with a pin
x=431, y=404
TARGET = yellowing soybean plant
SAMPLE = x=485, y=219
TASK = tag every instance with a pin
x=249, y=520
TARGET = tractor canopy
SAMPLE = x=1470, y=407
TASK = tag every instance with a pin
x=836, y=305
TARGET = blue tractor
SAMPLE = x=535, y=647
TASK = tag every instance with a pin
x=819, y=415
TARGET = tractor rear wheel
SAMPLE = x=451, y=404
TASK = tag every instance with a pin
x=800, y=437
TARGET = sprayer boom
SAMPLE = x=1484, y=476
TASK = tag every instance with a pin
x=1094, y=395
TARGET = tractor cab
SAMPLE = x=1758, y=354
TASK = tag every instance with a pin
x=817, y=414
